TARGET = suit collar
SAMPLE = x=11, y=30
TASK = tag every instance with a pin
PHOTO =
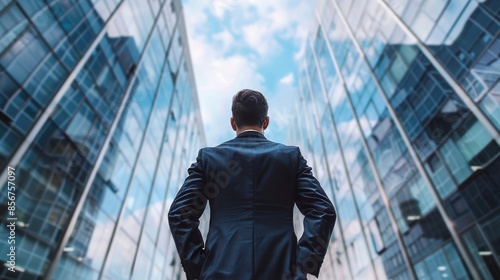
x=250, y=133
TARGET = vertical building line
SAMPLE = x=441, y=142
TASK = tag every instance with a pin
x=169, y=185
x=170, y=168
x=339, y=223
x=482, y=118
x=351, y=190
x=187, y=59
x=100, y=158
x=371, y=161
x=49, y=109
x=449, y=223
x=138, y=156
x=164, y=71
x=164, y=135
x=165, y=212
x=299, y=120
x=308, y=140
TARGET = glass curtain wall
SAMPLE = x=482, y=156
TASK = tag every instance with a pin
x=97, y=99
x=401, y=109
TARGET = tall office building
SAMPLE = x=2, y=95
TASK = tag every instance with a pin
x=400, y=119
x=99, y=116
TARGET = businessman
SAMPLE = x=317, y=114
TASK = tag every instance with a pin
x=251, y=184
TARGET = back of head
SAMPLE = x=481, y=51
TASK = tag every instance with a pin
x=249, y=108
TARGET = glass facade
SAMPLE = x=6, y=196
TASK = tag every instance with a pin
x=399, y=115
x=99, y=116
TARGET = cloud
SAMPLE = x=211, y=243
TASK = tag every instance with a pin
x=261, y=38
x=278, y=20
x=287, y=80
x=221, y=6
x=233, y=43
x=218, y=78
x=225, y=40
x=282, y=113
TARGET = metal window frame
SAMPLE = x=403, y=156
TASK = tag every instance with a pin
x=15, y=159
x=371, y=161
x=55, y=260
x=462, y=94
x=439, y=205
x=341, y=151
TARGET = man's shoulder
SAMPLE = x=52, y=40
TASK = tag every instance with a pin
x=262, y=143
x=229, y=150
x=284, y=146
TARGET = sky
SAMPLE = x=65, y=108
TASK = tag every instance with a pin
x=237, y=44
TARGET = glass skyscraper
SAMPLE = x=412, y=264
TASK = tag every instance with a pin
x=399, y=115
x=99, y=116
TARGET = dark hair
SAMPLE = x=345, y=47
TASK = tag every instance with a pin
x=249, y=108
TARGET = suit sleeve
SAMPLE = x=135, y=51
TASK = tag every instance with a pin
x=184, y=219
x=319, y=219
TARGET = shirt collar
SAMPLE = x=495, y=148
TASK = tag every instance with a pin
x=250, y=133
x=251, y=130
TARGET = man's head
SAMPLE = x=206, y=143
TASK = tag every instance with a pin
x=249, y=110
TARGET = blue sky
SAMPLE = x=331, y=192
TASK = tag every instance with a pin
x=238, y=44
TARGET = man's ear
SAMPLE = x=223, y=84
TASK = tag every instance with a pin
x=233, y=124
x=265, y=123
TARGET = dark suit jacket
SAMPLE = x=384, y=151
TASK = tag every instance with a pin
x=252, y=185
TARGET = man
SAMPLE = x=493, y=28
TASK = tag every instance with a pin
x=251, y=184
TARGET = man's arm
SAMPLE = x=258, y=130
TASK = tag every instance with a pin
x=184, y=219
x=319, y=219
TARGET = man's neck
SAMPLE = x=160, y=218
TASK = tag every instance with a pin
x=249, y=128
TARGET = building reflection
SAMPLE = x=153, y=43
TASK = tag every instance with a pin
x=401, y=123
x=96, y=100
